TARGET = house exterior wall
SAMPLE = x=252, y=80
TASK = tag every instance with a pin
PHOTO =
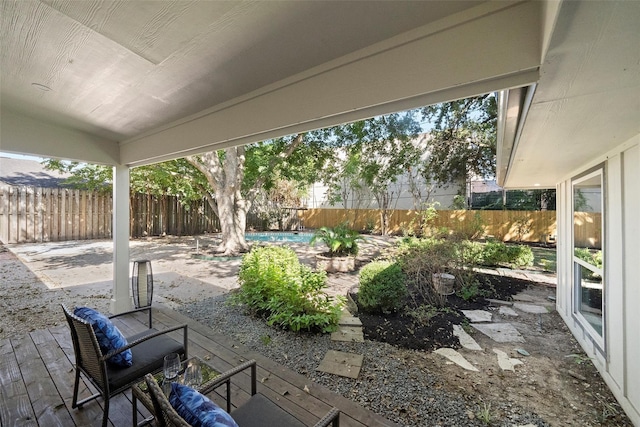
x=402, y=197
x=617, y=359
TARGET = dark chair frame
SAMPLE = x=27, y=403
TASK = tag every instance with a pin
x=330, y=418
x=93, y=364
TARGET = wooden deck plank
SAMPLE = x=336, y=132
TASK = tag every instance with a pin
x=352, y=413
x=15, y=406
x=295, y=401
x=49, y=354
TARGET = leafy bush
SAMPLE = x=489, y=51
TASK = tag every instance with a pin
x=493, y=254
x=420, y=259
x=274, y=284
x=382, y=287
x=340, y=240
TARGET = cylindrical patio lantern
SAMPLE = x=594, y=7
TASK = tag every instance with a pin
x=142, y=283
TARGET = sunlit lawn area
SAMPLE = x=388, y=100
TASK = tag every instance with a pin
x=544, y=258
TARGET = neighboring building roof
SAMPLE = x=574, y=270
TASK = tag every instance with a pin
x=19, y=172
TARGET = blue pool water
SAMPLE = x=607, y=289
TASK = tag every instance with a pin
x=280, y=237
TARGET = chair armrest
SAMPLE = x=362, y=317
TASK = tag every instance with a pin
x=135, y=310
x=148, y=337
x=225, y=378
x=331, y=418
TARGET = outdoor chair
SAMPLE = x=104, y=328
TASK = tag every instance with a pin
x=258, y=411
x=148, y=349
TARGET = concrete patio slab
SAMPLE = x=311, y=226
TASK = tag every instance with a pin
x=341, y=363
x=499, y=332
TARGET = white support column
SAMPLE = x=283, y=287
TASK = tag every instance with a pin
x=121, y=300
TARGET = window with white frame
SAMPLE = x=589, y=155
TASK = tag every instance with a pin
x=588, y=255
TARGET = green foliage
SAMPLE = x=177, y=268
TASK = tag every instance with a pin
x=592, y=257
x=484, y=414
x=469, y=292
x=424, y=313
x=382, y=287
x=274, y=284
x=463, y=140
x=340, y=240
x=494, y=253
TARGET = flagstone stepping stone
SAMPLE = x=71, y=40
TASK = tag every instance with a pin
x=507, y=311
x=499, y=302
x=348, y=334
x=524, y=297
x=477, y=315
x=505, y=362
x=465, y=339
x=499, y=332
x=531, y=308
x=456, y=358
x=341, y=363
x=349, y=321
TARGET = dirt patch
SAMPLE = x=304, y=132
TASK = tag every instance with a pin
x=555, y=381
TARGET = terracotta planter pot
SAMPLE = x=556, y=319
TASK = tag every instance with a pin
x=335, y=264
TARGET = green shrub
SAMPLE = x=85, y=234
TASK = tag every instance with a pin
x=274, y=284
x=494, y=253
x=382, y=287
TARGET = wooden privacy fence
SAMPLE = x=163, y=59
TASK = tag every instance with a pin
x=30, y=214
x=524, y=226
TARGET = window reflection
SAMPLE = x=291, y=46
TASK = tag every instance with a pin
x=587, y=245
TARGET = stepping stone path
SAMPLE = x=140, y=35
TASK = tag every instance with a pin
x=456, y=358
x=505, y=362
x=507, y=311
x=477, y=315
x=341, y=363
x=349, y=329
x=465, y=339
x=531, y=308
x=499, y=332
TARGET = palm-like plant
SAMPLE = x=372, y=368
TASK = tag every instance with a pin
x=340, y=240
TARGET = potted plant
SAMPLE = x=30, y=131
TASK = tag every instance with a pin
x=343, y=248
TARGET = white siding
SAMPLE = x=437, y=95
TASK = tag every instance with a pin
x=618, y=363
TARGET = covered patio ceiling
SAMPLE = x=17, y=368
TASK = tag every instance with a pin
x=137, y=82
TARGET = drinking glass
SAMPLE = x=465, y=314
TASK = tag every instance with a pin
x=193, y=374
x=171, y=367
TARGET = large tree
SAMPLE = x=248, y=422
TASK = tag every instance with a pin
x=376, y=152
x=234, y=186
x=463, y=140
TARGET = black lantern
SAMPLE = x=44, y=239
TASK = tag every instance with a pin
x=142, y=283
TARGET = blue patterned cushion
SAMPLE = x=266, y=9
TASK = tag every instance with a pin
x=108, y=335
x=197, y=409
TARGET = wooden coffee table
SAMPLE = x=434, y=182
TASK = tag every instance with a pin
x=139, y=391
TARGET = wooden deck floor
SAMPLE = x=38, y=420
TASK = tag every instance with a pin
x=37, y=374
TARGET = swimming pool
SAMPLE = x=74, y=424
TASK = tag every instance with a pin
x=279, y=237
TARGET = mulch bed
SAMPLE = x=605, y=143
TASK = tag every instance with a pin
x=402, y=330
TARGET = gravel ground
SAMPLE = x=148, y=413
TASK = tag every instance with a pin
x=393, y=382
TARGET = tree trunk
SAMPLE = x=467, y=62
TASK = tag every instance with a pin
x=225, y=173
x=225, y=178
